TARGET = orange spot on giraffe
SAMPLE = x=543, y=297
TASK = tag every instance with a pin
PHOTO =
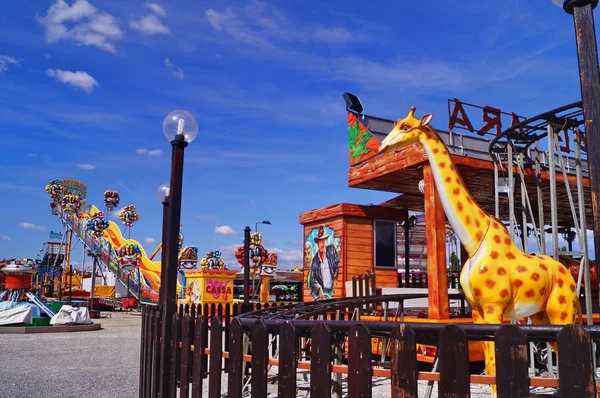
x=490, y=310
x=572, y=287
x=495, y=226
x=497, y=238
x=448, y=180
x=503, y=293
x=469, y=199
x=445, y=152
x=507, y=241
x=562, y=299
x=528, y=256
x=459, y=205
x=518, y=283
x=560, y=282
x=535, y=276
x=494, y=254
x=501, y=271
x=456, y=191
x=510, y=256
x=435, y=150
x=477, y=292
x=563, y=316
x=522, y=268
x=530, y=293
x=452, y=167
x=562, y=270
x=490, y=283
x=483, y=269
x=442, y=165
x=477, y=223
x=479, y=235
x=468, y=220
x=543, y=266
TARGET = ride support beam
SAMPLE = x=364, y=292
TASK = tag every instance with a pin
x=437, y=273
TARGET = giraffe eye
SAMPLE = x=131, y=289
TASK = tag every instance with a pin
x=405, y=128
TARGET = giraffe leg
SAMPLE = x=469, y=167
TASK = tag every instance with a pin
x=492, y=314
x=541, y=318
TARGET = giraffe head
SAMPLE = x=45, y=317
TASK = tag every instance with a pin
x=406, y=131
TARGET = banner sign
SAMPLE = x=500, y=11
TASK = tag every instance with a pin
x=74, y=187
x=56, y=235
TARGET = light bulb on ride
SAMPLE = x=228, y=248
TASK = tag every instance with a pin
x=180, y=123
x=163, y=192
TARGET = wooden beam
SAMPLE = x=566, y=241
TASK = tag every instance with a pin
x=351, y=210
x=437, y=273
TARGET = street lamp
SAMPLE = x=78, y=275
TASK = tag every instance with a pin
x=180, y=128
x=260, y=222
x=589, y=77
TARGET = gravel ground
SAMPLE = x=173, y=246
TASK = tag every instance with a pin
x=103, y=363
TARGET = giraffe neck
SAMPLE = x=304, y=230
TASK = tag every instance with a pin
x=469, y=221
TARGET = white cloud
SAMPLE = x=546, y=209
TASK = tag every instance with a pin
x=77, y=79
x=149, y=152
x=149, y=25
x=89, y=26
x=4, y=237
x=6, y=60
x=287, y=256
x=224, y=230
x=177, y=72
x=86, y=166
x=31, y=155
x=115, y=214
x=150, y=240
x=157, y=9
x=28, y=225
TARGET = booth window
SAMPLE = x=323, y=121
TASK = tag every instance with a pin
x=385, y=243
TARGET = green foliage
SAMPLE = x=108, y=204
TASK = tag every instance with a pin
x=454, y=262
x=357, y=142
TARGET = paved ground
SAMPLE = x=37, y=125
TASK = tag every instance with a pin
x=103, y=363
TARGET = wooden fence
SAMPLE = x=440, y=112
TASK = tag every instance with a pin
x=212, y=343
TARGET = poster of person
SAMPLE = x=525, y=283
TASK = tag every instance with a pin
x=322, y=258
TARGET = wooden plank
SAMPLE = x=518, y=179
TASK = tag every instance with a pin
x=260, y=356
x=358, y=240
x=320, y=353
x=360, y=380
x=184, y=372
x=287, y=361
x=175, y=355
x=201, y=330
x=454, y=363
x=512, y=373
x=235, y=378
x=575, y=364
x=436, y=249
x=358, y=255
x=144, y=357
x=206, y=310
x=227, y=331
x=404, y=372
x=155, y=375
x=216, y=352
x=348, y=210
x=362, y=229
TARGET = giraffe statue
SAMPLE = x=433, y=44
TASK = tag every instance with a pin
x=498, y=279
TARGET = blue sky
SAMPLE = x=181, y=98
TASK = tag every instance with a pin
x=86, y=85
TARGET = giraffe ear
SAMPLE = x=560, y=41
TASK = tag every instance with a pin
x=426, y=119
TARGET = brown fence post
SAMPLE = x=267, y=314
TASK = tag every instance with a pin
x=235, y=377
x=287, y=360
x=512, y=369
x=404, y=362
x=216, y=355
x=184, y=373
x=175, y=355
x=143, y=353
x=455, y=379
x=155, y=375
x=360, y=379
x=260, y=356
x=320, y=356
x=201, y=329
x=227, y=331
x=575, y=364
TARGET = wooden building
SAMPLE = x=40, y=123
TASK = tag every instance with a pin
x=354, y=231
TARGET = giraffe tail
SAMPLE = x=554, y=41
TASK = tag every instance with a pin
x=579, y=311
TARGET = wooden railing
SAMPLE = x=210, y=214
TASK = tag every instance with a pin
x=208, y=344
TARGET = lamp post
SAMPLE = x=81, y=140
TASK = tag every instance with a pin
x=260, y=222
x=589, y=76
x=180, y=128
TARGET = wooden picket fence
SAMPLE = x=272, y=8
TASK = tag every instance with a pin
x=213, y=342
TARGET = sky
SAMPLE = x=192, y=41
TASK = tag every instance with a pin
x=86, y=85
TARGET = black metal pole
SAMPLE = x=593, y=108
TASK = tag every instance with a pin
x=168, y=297
x=70, y=284
x=589, y=75
x=94, y=265
x=406, y=250
x=246, y=268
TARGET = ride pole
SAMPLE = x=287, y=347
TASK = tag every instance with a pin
x=246, y=268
